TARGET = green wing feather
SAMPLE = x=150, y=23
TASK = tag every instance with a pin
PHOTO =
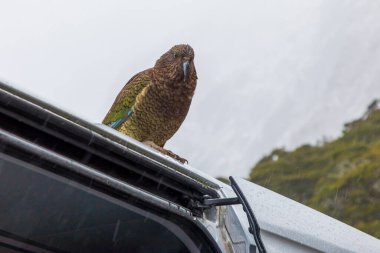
x=124, y=102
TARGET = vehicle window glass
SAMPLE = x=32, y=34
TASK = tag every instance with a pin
x=39, y=211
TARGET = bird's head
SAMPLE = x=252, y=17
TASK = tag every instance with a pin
x=177, y=65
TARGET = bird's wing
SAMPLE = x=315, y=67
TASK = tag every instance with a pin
x=122, y=108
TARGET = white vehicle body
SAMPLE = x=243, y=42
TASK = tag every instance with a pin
x=285, y=225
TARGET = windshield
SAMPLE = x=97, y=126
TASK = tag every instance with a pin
x=40, y=211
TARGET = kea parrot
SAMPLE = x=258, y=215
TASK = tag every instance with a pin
x=153, y=104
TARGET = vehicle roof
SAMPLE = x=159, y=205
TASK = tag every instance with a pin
x=290, y=220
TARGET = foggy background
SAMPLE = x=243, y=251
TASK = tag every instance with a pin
x=271, y=73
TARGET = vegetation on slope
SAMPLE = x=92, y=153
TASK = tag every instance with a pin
x=340, y=178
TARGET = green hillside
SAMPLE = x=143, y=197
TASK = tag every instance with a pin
x=340, y=178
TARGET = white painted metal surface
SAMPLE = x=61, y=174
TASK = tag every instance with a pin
x=288, y=226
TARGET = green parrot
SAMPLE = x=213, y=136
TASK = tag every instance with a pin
x=153, y=104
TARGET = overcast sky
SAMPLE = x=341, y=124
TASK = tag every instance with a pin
x=271, y=73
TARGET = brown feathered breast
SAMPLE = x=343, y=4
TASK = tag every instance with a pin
x=161, y=107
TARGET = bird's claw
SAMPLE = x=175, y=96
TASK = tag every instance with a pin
x=166, y=152
x=177, y=157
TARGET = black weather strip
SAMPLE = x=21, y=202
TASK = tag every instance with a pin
x=254, y=228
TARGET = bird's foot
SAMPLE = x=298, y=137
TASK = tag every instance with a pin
x=175, y=156
x=165, y=151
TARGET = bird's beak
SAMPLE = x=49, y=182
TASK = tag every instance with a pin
x=185, y=70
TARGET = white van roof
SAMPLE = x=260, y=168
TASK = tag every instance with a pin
x=286, y=223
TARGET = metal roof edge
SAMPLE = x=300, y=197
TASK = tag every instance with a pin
x=118, y=138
